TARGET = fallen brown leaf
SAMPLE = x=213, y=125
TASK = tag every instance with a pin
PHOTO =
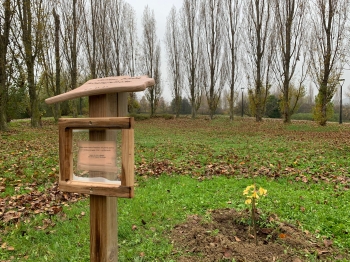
x=321, y=252
x=227, y=253
x=237, y=239
x=282, y=235
x=327, y=242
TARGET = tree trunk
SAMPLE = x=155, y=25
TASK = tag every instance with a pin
x=178, y=105
x=193, y=103
x=31, y=48
x=3, y=87
x=57, y=109
x=4, y=41
x=258, y=109
x=74, y=70
x=3, y=95
x=324, y=102
x=33, y=96
x=286, y=109
x=232, y=96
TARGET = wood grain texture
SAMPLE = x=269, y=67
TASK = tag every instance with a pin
x=65, y=153
x=94, y=122
x=108, y=98
x=107, y=113
x=107, y=85
x=101, y=129
x=96, y=189
x=103, y=209
x=128, y=158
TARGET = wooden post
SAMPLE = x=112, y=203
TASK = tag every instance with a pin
x=108, y=97
x=103, y=210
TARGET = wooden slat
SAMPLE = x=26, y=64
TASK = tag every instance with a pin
x=66, y=126
x=65, y=154
x=103, y=209
x=107, y=85
x=107, y=122
x=128, y=157
x=95, y=189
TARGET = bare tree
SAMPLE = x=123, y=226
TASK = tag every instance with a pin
x=57, y=90
x=190, y=37
x=50, y=61
x=290, y=18
x=130, y=48
x=154, y=93
x=32, y=17
x=123, y=37
x=5, y=24
x=118, y=35
x=103, y=38
x=151, y=57
x=259, y=45
x=71, y=16
x=130, y=41
x=174, y=52
x=233, y=19
x=212, y=13
x=89, y=35
x=329, y=34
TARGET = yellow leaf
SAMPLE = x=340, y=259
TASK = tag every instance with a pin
x=262, y=191
x=246, y=190
x=248, y=201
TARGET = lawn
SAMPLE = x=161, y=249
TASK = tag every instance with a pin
x=184, y=168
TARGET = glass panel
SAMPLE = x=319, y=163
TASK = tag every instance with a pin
x=97, y=161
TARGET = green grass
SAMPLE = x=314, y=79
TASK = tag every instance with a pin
x=161, y=203
x=185, y=167
x=303, y=116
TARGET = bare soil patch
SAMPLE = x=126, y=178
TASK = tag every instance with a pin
x=224, y=235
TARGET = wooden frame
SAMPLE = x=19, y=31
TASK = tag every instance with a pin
x=126, y=186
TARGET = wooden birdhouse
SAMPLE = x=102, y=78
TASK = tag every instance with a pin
x=97, y=153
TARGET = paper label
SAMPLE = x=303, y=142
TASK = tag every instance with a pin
x=97, y=156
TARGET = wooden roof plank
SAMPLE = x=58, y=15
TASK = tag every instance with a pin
x=107, y=85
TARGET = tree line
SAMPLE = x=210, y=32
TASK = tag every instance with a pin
x=53, y=46
x=213, y=49
x=261, y=45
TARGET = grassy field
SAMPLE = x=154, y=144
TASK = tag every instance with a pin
x=183, y=167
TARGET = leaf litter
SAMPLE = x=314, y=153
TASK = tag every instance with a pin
x=29, y=172
x=193, y=239
x=50, y=202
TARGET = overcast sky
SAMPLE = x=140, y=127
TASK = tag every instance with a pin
x=161, y=10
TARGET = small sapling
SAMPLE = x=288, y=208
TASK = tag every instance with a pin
x=252, y=195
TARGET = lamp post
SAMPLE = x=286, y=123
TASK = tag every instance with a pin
x=242, y=100
x=341, y=82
